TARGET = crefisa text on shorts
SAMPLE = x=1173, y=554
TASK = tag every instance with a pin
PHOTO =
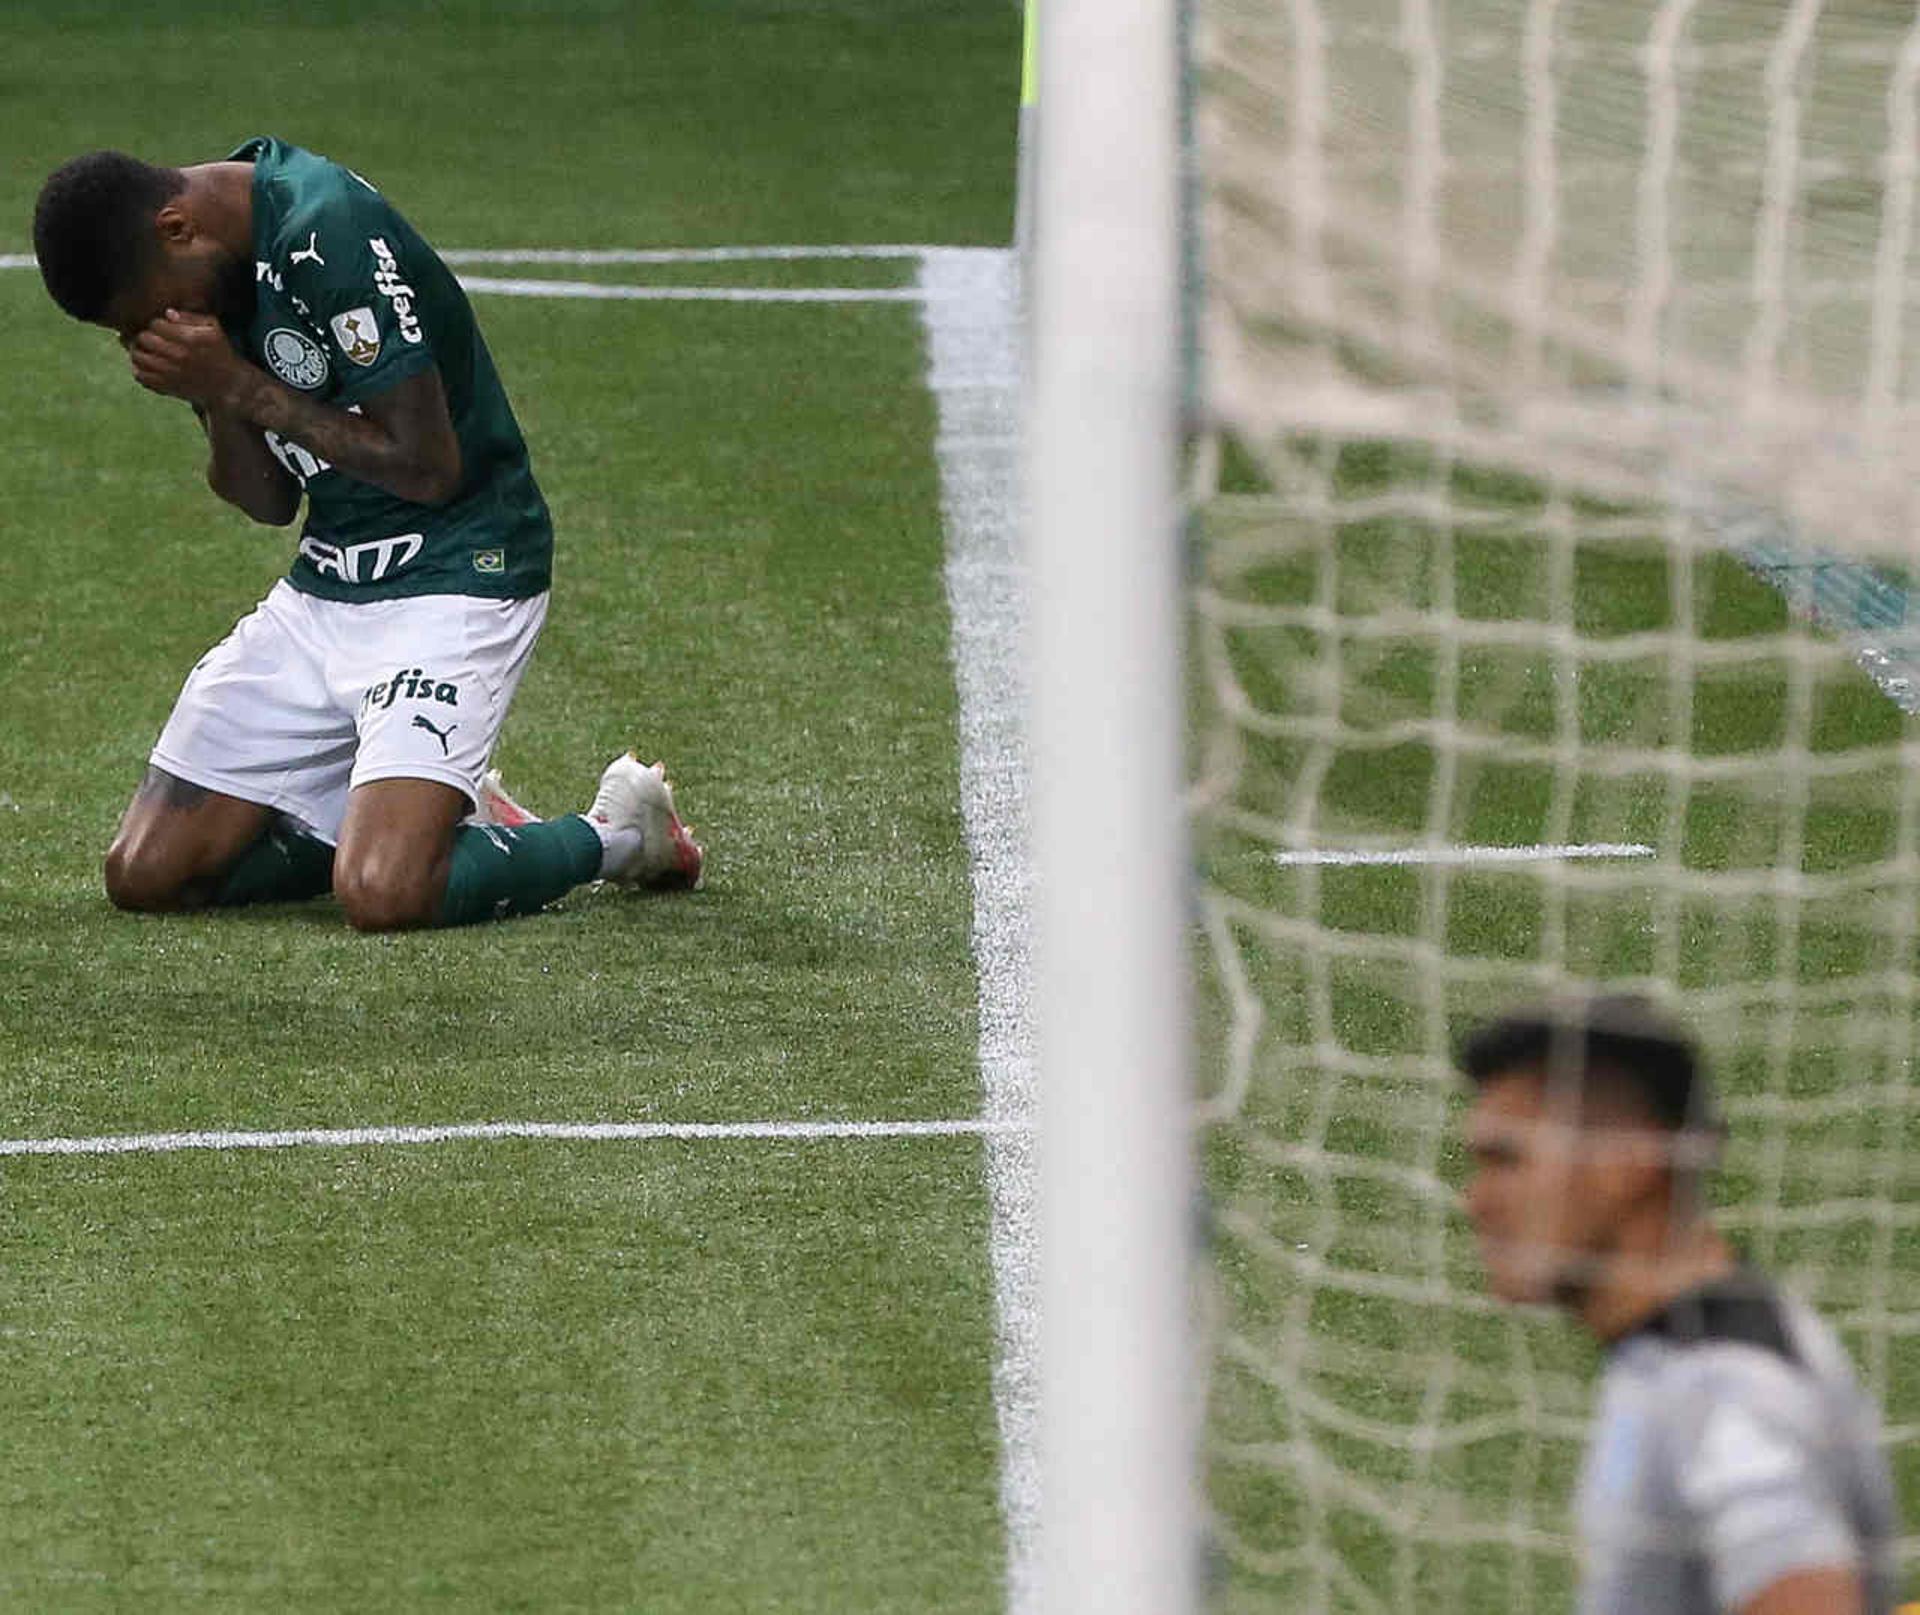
x=413, y=685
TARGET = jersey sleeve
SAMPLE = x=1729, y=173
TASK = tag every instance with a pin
x=1752, y=1470
x=353, y=279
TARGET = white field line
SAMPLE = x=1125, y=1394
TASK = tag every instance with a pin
x=618, y=292
x=584, y=1132
x=488, y=285
x=589, y=256
x=970, y=315
x=1453, y=856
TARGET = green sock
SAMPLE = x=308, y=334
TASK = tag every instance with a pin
x=285, y=865
x=497, y=872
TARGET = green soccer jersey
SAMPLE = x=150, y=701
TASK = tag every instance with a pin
x=349, y=302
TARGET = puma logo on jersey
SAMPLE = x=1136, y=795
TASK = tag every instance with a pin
x=438, y=733
x=310, y=253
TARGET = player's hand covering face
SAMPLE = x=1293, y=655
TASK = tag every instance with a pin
x=199, y=279
x=185, y=356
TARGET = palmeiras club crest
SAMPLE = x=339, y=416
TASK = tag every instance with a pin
x=295, y=358
x=358, y=334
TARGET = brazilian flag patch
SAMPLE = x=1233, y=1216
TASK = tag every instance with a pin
x=490, y=561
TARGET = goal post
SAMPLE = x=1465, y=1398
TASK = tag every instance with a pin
x=1547, y=618
x=1118, y=1474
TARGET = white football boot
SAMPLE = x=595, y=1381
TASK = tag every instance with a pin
x=636, y=796
x=495, y=806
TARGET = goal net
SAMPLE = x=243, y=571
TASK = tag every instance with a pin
x=1554, y=506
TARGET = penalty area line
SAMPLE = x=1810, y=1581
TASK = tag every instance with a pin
x=1401, y=856
x=588, y=1132
x=491, y=285
x=674, y=255
x=587, y=257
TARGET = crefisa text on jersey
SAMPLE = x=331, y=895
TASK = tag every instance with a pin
x=387, y=282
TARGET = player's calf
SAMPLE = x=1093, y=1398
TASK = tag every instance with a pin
x=630, y=835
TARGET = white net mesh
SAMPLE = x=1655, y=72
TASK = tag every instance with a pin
x=1551, y=625
x=1623, y=242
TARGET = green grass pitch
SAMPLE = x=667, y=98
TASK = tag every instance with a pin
x=755, y=1376
x=684, y=1376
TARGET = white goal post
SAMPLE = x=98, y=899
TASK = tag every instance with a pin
x=1549, y=617
x=1118, y=1475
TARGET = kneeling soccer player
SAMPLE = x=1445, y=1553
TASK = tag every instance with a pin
x=1735, y=1463
x=338, y=738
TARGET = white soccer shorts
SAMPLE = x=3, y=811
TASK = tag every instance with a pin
x=307, y=698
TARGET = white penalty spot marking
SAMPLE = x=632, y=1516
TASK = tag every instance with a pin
x=579, y=1132
x=1335, y=857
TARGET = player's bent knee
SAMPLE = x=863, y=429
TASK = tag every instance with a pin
x=128, y=886
x=374, y=899
x=141, y=883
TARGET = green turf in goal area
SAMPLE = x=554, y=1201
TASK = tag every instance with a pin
x=679, y=1376
x=1380, y=1436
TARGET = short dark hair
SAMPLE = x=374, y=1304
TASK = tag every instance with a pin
x=93, y=227
x=1620, y=1039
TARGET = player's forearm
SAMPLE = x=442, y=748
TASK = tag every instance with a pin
x=242, y=470
x=354, y=445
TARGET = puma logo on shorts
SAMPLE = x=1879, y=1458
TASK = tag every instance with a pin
x=419, y=722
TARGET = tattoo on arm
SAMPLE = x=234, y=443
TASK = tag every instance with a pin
x=403, y=441
x=244, y=472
